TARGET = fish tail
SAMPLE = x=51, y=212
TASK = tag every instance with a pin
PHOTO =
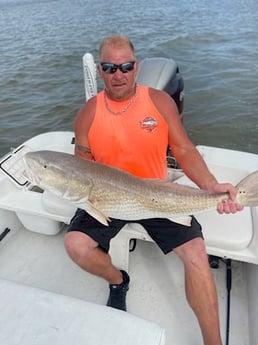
x=248, y=190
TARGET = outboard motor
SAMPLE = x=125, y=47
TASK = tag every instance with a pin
x=163, y=74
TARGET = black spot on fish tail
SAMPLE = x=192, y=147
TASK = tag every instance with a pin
x=248, y=190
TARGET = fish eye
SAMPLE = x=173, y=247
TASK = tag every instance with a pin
x=45, y=166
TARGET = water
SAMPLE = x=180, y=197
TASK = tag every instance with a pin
x=214, y=43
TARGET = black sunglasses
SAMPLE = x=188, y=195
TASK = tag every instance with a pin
x=111, y=68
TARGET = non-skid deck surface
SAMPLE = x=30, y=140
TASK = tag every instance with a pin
x=156, y=290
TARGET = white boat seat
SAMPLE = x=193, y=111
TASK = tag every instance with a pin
x=223, y=236
x=31, y=316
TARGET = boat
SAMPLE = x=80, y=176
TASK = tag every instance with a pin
x=47, y=299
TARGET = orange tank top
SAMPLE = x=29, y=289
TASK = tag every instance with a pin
x=135, y=141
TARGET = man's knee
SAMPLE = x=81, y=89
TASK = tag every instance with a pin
x=193, y=252
x=78, y=244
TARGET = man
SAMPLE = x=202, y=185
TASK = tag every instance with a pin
x=129, y=126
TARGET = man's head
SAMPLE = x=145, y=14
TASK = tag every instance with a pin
x=118, y=42
x=118, y=66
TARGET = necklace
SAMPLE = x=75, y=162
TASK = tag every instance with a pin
x=123, y=110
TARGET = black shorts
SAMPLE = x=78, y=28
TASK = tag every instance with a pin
x=167, y=234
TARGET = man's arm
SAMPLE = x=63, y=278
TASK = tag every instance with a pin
x=188, y=156
x=82, y=126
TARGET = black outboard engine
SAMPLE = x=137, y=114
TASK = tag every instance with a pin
x=163, y=74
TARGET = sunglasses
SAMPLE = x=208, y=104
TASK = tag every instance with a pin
x=111, y=68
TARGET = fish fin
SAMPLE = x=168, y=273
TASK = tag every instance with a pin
x=74, y=199
x=174, y=174
x=95, y=212
x=248, y=190
x=78, y=198
x=184, y=220
x=161, y=182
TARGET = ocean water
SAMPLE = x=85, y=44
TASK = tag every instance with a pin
x=214, y=43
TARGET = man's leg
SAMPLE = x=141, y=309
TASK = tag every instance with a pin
x=200, y=289
x=85, y=252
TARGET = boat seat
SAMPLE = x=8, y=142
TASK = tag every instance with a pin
x=34, y=316
x=223, y=235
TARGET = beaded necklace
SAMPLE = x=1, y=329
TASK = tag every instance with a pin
x=123, y=110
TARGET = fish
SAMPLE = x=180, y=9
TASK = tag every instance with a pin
x=106, y=192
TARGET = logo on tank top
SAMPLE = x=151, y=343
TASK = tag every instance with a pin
x=149, y=124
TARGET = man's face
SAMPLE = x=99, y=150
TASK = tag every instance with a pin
x=119, y=85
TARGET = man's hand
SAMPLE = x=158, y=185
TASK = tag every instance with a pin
x=227, y=206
